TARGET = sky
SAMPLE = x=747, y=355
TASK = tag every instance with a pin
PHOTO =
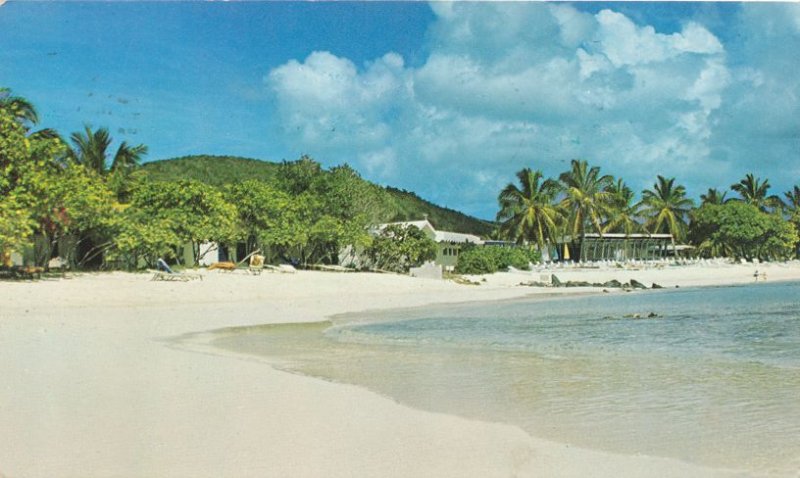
x=447, y=100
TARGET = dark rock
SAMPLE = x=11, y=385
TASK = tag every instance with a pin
x=637, y=285
x=652, y=315
x=578, y=284
x=656, y=286
x=613, y=283
x=534, y=284
x=554, y=280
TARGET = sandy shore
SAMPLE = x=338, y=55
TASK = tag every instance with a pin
x=93, y=385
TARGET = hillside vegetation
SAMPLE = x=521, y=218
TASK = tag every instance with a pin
x=388, y=204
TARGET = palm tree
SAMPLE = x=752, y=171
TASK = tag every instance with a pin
x=666, y=207
x=22, y=109
x=91, y=150
x=754, y=192
x=623, y=214
x=585, y=198
x=128, y=157
x=528, y=213
x=713, y=196
x=792, y=203
x=25, y=114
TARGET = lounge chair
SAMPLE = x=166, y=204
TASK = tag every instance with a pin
x=223, y=266
x=165, y=273
x=284, y=268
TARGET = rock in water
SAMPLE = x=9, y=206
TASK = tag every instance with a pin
x=656, y=286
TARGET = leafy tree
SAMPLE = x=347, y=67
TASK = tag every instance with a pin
x=741, y=230
x=296, y=177
x=398, y=248
x=316, y=236
x=16, y=223
x=586, y=199
x=38, y=193
x=623, y=213
x=74, y=202
x=329, y=235
x=527, y=213
x=665, y=208
x=138, y=237
x=266, y=216
x=348, y=197
x=195, y=212
x=792, y=207
x=753, y=191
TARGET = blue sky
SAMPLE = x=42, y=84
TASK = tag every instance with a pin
x=448, y=100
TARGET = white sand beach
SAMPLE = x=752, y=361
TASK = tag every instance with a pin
x=94, y=385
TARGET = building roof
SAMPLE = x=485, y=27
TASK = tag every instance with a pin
x=628, y=236
x=446, y=236
x=438, y=236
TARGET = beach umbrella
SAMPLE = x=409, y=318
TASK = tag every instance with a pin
x=566, y=252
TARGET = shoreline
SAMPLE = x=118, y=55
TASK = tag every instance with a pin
x=219, y=342
x=93, y=390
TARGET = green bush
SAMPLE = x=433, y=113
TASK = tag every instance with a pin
x=400, y=247
x=489, y=259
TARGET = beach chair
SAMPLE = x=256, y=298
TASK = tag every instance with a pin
x=165, y=273
x=256, y=265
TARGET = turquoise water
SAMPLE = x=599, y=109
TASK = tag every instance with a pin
x=713, y=378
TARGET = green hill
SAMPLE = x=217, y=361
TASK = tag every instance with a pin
x=214, y=170
x=396, y=204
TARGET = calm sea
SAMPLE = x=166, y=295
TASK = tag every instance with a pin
x=712, y=378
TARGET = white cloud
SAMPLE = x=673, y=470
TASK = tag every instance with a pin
x=625, y=43
x=326, y=100
x=509, y=85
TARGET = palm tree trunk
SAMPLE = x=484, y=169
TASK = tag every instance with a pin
x=674, y=247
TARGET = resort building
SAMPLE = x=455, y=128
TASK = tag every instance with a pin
x=448, y=243
x=615, y=247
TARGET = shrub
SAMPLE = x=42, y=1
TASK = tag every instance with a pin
x=399, y=248
x=489, y=259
